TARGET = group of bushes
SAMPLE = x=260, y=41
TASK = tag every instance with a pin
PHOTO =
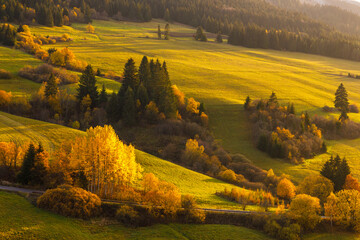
x=282, y=134
x=246, y=197
x=42, y=74
x=336, y=129
x=5, y=74
x=61, y=58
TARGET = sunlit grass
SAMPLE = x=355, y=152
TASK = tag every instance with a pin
x=19, y=129
x=222, y=76
x=21, y=220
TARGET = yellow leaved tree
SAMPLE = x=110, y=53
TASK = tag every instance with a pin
x=107, y=163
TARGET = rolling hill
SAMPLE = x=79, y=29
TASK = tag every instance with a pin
x=14, y=128
x=221, y=76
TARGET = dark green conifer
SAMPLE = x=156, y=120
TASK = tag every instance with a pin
x=341, y=99
x=51, y=88
x=129, y=108
x=87, y=85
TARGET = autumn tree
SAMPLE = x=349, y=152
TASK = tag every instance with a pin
x=316, y=186
x=90, y=28
x=107, y=163
x=305, y=210
x=351, y=183
x=285, y=189
x=161, y=194
x=87, y=86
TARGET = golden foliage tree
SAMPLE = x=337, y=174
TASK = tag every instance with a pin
x=90, y=28
x=305, y=209
x=286, y=189
x=316, y=186
x=351, y=183
x=107, y=163
x=161, y=194
x=192, y=106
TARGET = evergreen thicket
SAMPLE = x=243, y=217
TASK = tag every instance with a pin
x=336, y=170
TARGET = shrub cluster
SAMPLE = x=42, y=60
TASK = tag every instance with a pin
x=42, y=74
x=71, y=202
x=282, y=134
x=336, y=129
x=246, y=197
x=5, y=74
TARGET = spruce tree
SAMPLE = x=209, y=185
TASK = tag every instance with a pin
x=247, y=103
x=145, y=72
x=130, y=76
x=51, y=88
x=103, y=98
x=341, y=99
x=343, y=116
x=167, y=32
x=336, y=170
x=273, y=98
x=167, y=15
x=87, y=85
x=159, y=32
x=200, y=36
x=20, y=28
x=112, y=108
x=129, y=108
x=219, y=38
x=142, y=96
x=24, y=177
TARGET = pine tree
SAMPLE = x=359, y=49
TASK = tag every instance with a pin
x=20, y=28
x=200, y=36
x=167, y=32
x=336, y=170
x=129, y=108
x=130, y=76
x=112, y=108
x=142, y=95
x=343, y=116
x=159, y=32
x=341, y=99
x=167, y=15
x=307, y=122
x=103, y=98
x=51, y=88
x=145, y=72
x=219, y=38
x=292, y=109
x=247, y=103
x=273, y=99
x=24, y=177
x=87, y=86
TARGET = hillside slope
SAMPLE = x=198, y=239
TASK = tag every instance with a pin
x=222, y=76
x=35, y=223
x=14, y=128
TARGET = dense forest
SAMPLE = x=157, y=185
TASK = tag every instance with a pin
x=257, y=24
x=342, y=20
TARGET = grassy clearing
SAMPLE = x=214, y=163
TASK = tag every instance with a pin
x=14, y=128
x=35, y=223
x=222, y=76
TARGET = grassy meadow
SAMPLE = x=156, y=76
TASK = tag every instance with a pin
x=222, y=76
x=14, y=128
x=35, y=223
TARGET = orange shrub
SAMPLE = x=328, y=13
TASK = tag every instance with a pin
x=71, y=202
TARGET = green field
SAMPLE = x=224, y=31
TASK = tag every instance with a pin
x=14, y=128
x=35, y=223
x=222, y=76
x=20, y=220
